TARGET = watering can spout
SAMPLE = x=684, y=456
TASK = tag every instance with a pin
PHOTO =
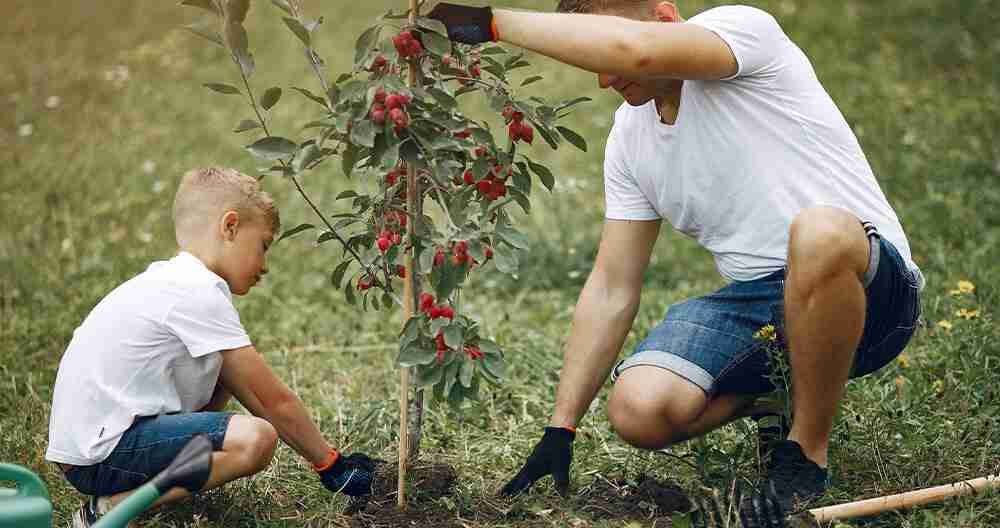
x=190, y=469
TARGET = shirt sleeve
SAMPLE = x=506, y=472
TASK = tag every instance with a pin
x=206, y=321
x=623, y=199
x=754, y=37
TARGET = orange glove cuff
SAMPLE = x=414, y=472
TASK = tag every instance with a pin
x=328, y=462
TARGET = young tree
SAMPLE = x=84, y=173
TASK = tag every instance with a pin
x=431, y=188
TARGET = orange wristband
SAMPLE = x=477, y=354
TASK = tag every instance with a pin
x=493, y=30
x=328, y=462
x=570, y=429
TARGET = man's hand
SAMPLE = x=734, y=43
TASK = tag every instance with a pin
x=469, y=25
x=351, y=475
x=551, y=456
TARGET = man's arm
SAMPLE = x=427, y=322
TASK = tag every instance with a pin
x=220, y=398
x=251, y=381
x=604, y=315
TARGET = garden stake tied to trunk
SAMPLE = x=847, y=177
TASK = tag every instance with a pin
x=405, y=146
x=763, y=511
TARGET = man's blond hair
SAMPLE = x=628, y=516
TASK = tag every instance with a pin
x=205, y=194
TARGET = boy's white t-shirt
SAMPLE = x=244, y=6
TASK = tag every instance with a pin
x=745, y=155
x=149, y=347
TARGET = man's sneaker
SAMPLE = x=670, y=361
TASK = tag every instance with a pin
x=796, y=479
x=771, y=429
x=87, y=514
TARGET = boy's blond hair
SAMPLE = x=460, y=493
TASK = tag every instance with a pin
x=205, y=194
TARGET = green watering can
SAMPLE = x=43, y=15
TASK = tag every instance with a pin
x=28, y=506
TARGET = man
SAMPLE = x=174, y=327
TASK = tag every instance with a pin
x=726, y=133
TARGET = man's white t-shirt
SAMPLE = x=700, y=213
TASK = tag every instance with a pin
x=149, y=347
x=745, y=155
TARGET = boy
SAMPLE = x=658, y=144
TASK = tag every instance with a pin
x=156, y=361
x=726, y=133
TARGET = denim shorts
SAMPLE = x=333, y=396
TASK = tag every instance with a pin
x=711, y=341
x=145, y=449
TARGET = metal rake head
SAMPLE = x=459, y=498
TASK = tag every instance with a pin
x=754, y=510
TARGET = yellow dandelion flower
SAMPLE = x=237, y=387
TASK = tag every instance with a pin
x=944, y=325
x=938, y=387
x=903, y=360
x=967, y=314
x=766, y=333
x=964, y=287
x=900, y=382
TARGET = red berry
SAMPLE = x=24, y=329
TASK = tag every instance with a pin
x=527, y=133
x=435, y=312
x=469, y=177
x=473, y=352
x=489, y=252
x=462, y=134
x=474, y=71
x=399, y=117
x=396, y=239
x=377, y=64
x=439, y=257
x=480, y=151
x=394, y=101
x=364, y=283
x=439, y=341
x=499, y=188
x=392, y=177
x=378, y=117
x=447, y=312
x=426, y=301
x=458, y=260
x=461, y=248
x=414, y=49
x=380, y=94
x=517, y=117
x=401, y=271
x=514, y=130
x=383, y=244
x=439, y=356
x=401, y=218
x=484, y=186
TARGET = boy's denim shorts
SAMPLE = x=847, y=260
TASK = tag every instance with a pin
x=710, y=340
x=145, y=449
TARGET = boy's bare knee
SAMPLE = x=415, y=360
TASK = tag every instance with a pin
x=253, y=440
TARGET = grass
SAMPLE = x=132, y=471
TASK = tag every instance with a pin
x=86, y=182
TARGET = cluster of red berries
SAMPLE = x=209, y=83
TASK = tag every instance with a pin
x=459, y=254
x=379, y=64
x=433, y=310
x=387, y=239
x=391, y=107
x=517, y=129
x=491, y=187
x=407, y=45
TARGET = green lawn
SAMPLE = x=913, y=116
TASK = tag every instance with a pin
x=102, y=109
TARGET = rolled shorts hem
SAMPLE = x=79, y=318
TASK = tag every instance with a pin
x=667, y=361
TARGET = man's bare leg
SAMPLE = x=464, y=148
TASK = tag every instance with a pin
x=824, y=319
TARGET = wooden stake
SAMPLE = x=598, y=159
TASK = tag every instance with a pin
x=899, y=501
x=408, y=305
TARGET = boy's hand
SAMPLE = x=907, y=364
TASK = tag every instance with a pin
x=351, y=475
x=551, y=456
x=466, y=24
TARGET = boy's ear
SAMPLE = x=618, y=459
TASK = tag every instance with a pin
x=229, y=224
x=666, y=12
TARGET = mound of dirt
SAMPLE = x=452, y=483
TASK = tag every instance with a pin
x=428, y=482
x=645, y=499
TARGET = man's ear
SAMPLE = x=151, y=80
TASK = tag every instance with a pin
x=666, y=12
x=229, y=224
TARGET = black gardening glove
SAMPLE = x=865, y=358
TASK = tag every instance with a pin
x=551, y=456
x=351, y=475
x=466, y=24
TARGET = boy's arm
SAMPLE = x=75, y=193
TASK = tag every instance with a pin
x=248, y=377
x=605, y=44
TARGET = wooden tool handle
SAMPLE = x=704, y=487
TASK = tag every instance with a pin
x=905, y=500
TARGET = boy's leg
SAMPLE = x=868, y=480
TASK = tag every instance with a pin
x=247, y=449
x=825, y=317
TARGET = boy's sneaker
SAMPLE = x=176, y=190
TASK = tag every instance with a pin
x=796, y=480
x=771, y=429
x=87, y=514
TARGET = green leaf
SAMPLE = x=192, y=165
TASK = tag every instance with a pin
x=319, y=100
x=365, y=43
x=236, y=40
x=236, y=10
x=414, y=354
x=543, y=173
x=346, y=194
x=294, y=231
x=466, y=372
x=205, y=33
x=434, y=25
x=513, y=237
x=546, y=134
x=305, y=156
x=270, y=97
x=348, y=159
x=272, y=148
x=529, y=80
x=442, y=97
x=437, y=44
x=574, y=138
x=453, y=335
x=246, y=124
x=505, y=259
x=207, y=5
x=338, y=273
x=363, y=133
x=325, y=236
x=447, y=278
x=572, y=102
x=282, y=5
x=427, y=375
x=521, y=199
x=493, y=50
x=300, y=31
x=222, y=88
x=349, y=293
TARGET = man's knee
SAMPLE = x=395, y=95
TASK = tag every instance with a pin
x=825, y=240
x=253, y=440
x=650, y=407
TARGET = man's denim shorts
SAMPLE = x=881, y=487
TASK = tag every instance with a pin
x=710, y=340
x=145, y=449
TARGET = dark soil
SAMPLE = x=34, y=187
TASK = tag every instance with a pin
x=647, y=500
